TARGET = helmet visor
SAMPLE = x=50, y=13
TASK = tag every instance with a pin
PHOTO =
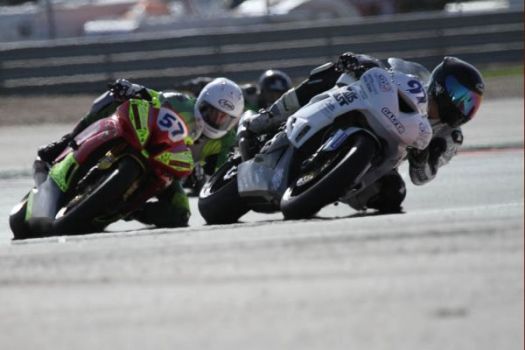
x=464, y=99
x=216, y=118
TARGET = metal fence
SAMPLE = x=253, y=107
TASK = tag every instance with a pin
x=242, y=53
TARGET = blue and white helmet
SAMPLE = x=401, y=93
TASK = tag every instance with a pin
x=219, y=107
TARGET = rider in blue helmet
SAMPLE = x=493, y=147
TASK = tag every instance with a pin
x=454, y=90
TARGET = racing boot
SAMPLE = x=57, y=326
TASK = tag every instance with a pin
x=392, y=192
x=50, y=152
x=172, y=209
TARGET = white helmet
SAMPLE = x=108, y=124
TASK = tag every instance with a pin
x=219, y=107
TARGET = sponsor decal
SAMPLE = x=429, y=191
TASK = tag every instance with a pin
x=383, y=83
x=369, y=84
x=362, y=94
x=336, y=141
x=346, y=97
x=226, y=104
x=173, y=124
x=424, y=128
x=392, y=117
x=418, y=90
x=425, y=134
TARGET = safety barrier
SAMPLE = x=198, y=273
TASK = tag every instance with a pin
x=242, y=53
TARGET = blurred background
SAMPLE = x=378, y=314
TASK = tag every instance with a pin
x=52, y=19
x=53, y=47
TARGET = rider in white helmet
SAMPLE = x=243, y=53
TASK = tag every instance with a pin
x=211, y=119
x=219, y=107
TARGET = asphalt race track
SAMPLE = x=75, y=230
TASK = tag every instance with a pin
x=448, y=273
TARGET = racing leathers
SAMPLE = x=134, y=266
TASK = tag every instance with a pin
x=171, y=209
x=387, y=194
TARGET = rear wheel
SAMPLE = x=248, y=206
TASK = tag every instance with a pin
x=95, y=206
x=327, y=177
x=219, y=200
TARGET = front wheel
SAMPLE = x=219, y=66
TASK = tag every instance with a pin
x=89, y=211
x=334, y=172
x=219, y=200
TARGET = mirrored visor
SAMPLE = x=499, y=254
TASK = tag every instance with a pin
x=465, y=100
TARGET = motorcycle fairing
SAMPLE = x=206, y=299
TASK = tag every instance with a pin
x=168, y=145
x=266, y=175
x=401, y=128
x=95, y=135
x=42, y=202
x=340, y=136
x=177, y=160
x=139, y=115
x=158, y=134
x=321, y=112
x=375, y=96
x=62, y=171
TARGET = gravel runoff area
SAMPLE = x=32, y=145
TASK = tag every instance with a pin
x=57, y=109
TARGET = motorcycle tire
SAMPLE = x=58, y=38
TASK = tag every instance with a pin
x=79, y=219
x=302, y=201
x=219, y=201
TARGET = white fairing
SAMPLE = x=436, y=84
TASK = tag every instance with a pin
x=412, y=91
x=377, y=96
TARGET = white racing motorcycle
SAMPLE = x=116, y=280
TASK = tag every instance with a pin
x=332, y=149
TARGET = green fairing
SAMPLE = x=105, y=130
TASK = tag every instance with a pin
x=142, y=107
x=60, y=170
x=184, y=106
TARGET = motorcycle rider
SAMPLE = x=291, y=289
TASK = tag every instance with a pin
x=271, y=84
x=211, y=119
x=454, y=95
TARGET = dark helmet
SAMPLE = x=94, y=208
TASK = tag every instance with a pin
x=272, y=84
x=457, y=87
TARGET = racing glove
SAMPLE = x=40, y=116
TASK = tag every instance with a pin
x=123, y=90
x=356, y=63
x=347, y=62
x=430, y=155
